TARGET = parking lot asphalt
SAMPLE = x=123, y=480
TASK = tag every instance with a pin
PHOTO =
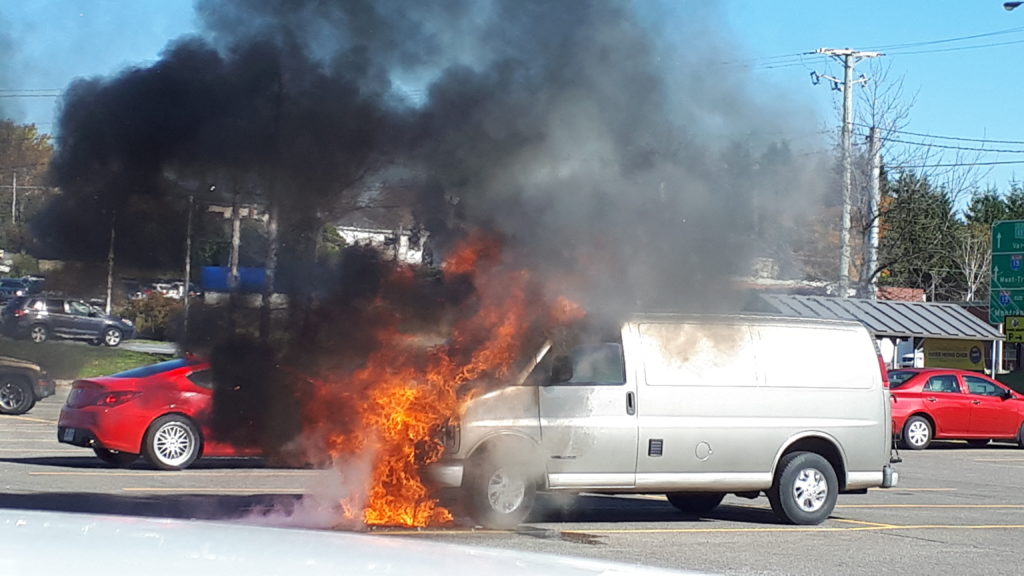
x=957, y=510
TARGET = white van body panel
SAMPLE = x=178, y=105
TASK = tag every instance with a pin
x=706, y=403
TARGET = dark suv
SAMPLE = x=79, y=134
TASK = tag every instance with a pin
x=12, y=288
x=42, y=317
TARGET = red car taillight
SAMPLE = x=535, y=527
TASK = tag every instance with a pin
x=116, y=398
x=885, y=371
x=88, y=394
x=20, y=312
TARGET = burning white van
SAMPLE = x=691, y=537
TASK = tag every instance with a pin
x=693, y=407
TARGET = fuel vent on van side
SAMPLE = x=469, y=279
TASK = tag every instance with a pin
x=655, y=446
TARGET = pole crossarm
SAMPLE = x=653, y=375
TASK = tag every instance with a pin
x=844, y=52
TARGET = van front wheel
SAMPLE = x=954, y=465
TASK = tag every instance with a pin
x=805, y=489
x=698, y=503
x=499, y=494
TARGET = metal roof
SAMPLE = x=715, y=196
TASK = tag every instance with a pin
x=886, y=317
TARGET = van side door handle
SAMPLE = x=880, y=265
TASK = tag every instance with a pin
x=630, y=403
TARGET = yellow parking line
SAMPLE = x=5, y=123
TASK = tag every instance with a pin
x=31, y=419
x=209, y=490
x=36, y=450
x=999, y=459
x=797, y=529
x=898, y=489
x=1008, y=506
x=864, y=523
x=433, y=531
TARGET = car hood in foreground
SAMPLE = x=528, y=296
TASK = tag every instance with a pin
x=63, y=543
x=18, y=363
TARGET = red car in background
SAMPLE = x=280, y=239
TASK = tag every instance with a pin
x=163, y=411
x=939, y=403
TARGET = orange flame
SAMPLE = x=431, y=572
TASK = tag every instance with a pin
x=410, y=390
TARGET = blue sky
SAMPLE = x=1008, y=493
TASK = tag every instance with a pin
x=963, y=89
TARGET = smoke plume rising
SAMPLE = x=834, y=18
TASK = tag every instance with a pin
x=620, y=174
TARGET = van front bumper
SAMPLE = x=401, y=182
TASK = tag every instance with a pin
x=445, y=474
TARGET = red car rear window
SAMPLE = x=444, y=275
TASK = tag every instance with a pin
x=145, y=371
x=898, y=378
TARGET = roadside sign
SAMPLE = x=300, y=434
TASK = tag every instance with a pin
x=1006, y=286
x=1014, y=328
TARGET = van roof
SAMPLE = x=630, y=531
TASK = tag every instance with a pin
x=745, y=318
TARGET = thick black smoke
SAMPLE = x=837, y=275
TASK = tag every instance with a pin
x=624, y=175
x=555, y=123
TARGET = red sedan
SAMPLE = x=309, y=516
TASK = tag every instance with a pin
x=938, y=403
x=163, y=411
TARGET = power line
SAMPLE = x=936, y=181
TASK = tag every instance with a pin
x=948, y=40
x=957, y=164
x=939, y=137
x=961, y=148
x=956, y=48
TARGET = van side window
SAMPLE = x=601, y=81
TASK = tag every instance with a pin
x=597, y=364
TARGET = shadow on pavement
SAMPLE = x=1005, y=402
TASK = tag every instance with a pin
x=198, y=506
x=91, y=462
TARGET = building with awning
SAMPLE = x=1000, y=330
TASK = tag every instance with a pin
x=893, y=323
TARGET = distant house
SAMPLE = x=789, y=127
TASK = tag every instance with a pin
x=245, y=211
x=392, y=231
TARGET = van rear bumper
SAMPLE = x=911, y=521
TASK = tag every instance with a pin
x=887, y=477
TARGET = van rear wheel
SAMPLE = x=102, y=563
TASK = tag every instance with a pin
x=805, y=489
x=698, y=503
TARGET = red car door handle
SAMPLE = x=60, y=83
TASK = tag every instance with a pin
x=930, y=399
x=975, y=402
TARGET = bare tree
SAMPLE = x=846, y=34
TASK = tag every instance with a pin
x=973, y=256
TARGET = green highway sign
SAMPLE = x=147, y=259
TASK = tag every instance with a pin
x=1008, y=271
x=1008, y=237
x=1006, y=286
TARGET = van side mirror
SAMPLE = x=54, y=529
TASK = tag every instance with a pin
x=561, y=370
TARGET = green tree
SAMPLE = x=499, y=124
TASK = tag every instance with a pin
x=25, y=156
x=919, y=237
x=986, y=206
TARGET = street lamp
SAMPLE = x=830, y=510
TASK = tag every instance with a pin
x=1011, y=5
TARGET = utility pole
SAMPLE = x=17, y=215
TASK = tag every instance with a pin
x=868, y=277
x=14, y=199
x=110, y=261
x=849, y=59
x=188, y=268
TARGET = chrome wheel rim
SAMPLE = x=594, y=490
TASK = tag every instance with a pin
x=810, y=489
x=918, y=433
x=505, y=491
x=113, y=338
x=38, y=334
x=11, y=395
x=173, y=443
